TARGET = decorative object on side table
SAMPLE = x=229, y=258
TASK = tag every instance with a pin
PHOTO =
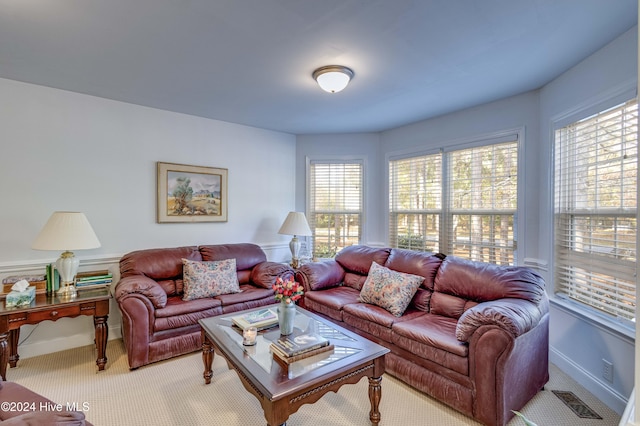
x=287, y=292
x=295, y=224
x=21, y=294
x=67, y=231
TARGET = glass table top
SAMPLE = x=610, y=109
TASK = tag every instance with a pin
x=261, y=353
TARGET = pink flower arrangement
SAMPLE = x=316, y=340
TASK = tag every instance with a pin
x=287, y=291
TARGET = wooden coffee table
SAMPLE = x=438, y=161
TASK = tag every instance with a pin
x=281, y=390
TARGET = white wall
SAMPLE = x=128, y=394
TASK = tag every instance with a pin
x=578, y=341
x=66, y=151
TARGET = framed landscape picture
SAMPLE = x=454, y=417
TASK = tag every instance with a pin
x=191, y=193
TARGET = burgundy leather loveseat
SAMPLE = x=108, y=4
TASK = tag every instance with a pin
x=475, y=335
x=157, y=323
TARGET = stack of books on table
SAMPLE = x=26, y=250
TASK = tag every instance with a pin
x=260, y=319
x=93, y=279
x=297, y=346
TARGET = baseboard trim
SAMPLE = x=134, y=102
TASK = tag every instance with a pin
x=614, y=400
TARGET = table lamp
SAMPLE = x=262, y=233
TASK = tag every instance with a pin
x=295, y=224
x=67, y=231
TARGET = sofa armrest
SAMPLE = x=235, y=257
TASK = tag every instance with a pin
x=140, y=284
x=515, y=316
x=320, y=275
x=265, y=274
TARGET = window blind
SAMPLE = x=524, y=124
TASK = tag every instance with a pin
x=596, y=163
x=483, y=198
x=415, y=204
x=335, y=206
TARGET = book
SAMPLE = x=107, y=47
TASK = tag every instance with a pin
x=93, y=284
x=53, y=278
x=92, y=287
x=93, y=275
x=95, y=281
x=261, y=319
x=298, y=343
x=282, y=358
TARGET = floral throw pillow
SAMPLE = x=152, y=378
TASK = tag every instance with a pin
x=389, y=289
x=209, y=279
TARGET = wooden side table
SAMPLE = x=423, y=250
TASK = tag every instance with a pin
x=88, y=302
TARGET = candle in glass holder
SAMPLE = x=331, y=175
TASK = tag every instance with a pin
x=249, y=336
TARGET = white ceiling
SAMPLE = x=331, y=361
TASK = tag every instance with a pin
x=250, y=61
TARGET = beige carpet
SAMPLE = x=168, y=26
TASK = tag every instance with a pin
x=173, y=393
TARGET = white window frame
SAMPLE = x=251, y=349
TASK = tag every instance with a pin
x=585, y=110
x=508, y=135
x=335, y=160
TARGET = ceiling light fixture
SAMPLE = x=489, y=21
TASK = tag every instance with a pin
x=333, y=78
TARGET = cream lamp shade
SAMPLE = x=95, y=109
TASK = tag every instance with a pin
x=295, y=224
x=67, y=231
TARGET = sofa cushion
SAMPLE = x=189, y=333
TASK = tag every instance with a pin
x=425, y=264
x=448, y=305
x=172, y=287
x=482, y=282
x=209, y=279
x=247, y=293
x=331, y=301
x=432, y=337
x=176, y=306
x=358, y=258
x=389, y=289
x=378, y=315
x=158, y=264
x=246, y=255
x=323, y=274
x=434, y=330
x=375, y=320
x=353, y=280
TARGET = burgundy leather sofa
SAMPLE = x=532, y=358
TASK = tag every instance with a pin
x=21, y=406
x=475, y=335
x=157, y=323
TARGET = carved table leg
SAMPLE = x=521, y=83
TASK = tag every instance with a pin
x=102, y=333
x=14, y=337
x=207, y=358
x=4, y=355
x=375, y=394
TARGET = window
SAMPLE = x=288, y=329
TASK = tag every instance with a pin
x=483, y=188
x=470, y=213
x=416, y=202
x=596, y=164
x=335, y=205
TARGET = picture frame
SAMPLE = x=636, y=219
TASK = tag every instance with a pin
x=191, y=193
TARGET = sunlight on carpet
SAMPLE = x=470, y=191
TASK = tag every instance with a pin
x=173, y=392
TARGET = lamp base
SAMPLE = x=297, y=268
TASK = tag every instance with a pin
x=67, y=291
x=294, y=246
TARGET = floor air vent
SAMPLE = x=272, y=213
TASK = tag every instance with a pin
x=581, y=409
